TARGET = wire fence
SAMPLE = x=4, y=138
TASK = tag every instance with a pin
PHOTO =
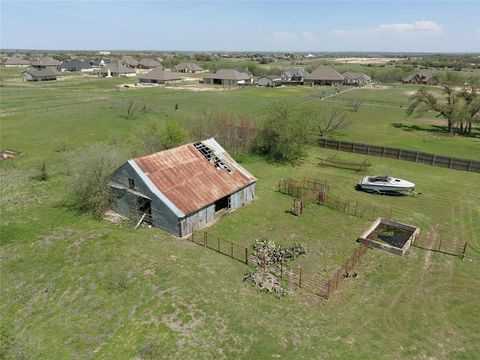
x=222, y=246
x=313, y=191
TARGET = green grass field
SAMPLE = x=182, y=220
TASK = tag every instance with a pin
x=77, y=288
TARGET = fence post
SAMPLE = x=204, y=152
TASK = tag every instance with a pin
x=464, y=249
x=205, y=239
x=218, y=244
x=193, y=234
x=231, y=249
x=281, y=270
x=433, y=159
x=246, y=256
x=390, y=214
x=440, y=245
x=300, y=277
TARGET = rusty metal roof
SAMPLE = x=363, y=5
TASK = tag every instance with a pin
x=189, y=180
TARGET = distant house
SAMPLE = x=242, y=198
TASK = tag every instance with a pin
x=148, y=63
x=188, y=68
x=269, y=81
x=129, y=61
x=76, y=65
x=356, y=78
x=182, y=189
x=421, y=77
x=45, y=63
x=294, y=76
x=116, y=70
x=228, y=77
x=15, y=61
x=39, y=75
x=160, y=76
x=98, y=62
x=324, y=75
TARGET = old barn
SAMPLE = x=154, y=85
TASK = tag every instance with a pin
x=183, y=188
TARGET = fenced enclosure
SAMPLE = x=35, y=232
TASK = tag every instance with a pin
x=402, y=154
x=312, y=191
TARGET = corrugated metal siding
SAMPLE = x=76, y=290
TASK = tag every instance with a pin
x=126, y=202
x=242, y=197
x=198, y=219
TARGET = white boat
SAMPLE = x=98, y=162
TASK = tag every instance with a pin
x=385, y=184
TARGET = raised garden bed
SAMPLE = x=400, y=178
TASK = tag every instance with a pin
x=390, y=236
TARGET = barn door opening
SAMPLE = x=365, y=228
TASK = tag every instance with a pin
x=145, y=207
x=222, y=203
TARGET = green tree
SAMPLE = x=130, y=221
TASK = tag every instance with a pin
x=284, y=134
x=450, y=108
x=155, y=136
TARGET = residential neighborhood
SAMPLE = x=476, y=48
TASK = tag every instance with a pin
x=252, y=180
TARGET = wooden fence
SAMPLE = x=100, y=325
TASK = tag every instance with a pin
x=402, y=154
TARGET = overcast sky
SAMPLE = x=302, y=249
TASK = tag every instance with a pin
x=418, y=26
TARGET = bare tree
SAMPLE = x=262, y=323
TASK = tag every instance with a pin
x=328, y=121
x=131, y=108
x=354, y=104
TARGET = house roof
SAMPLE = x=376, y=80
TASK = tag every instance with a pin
x=45, y=61
x=244, y=70
x=149, y=63
x=423, y=74
x=356, y=75
x=271, y=77
x=325, y=72
x=77, y=63
x=228, y=74
x=129, y=61
x=117, y=69
x=15, y=60
x=41, y=72
x=188, y=66
x=189, y=180
x=160, y=74
x=297, y=72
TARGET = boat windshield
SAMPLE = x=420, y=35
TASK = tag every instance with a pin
x=380, y=179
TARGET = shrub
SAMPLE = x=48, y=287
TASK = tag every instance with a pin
x=92, y=169
x=154, y=136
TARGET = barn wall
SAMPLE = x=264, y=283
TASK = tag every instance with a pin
x=242, y=197
x=162, y=216
x=198, y=219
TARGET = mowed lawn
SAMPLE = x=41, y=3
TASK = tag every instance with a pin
x=75, y=287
